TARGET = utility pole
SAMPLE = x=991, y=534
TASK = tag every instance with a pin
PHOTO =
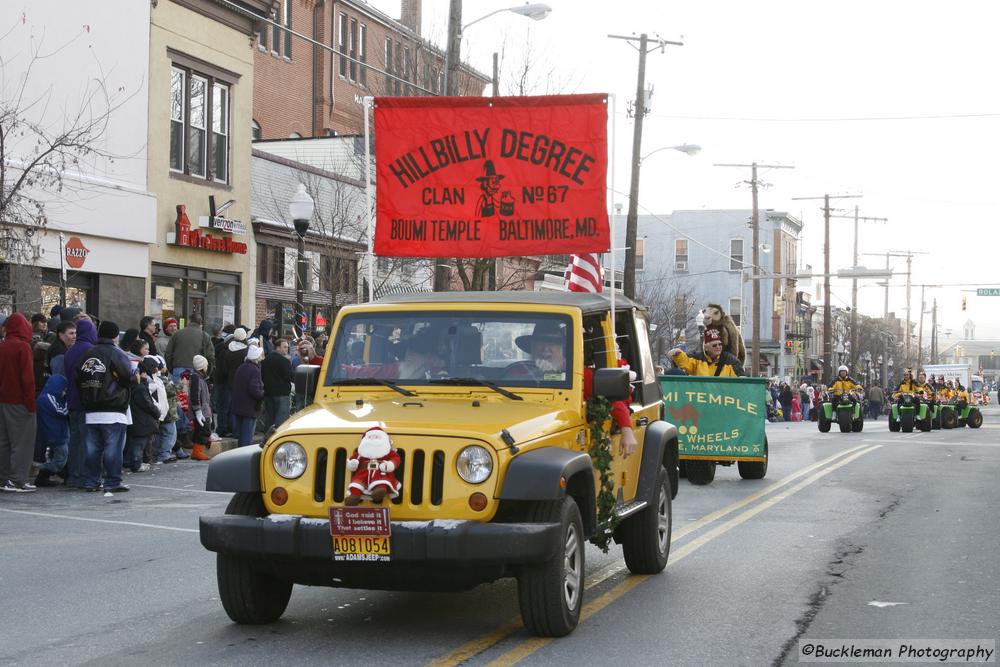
x=492, y=279
x=909, y=268
x=908, y=254
x=632, y=220
x=854, y=283
x=920, y=331
x=827, y=314
x=755, y=267
x=453, y=58
x=934, y=343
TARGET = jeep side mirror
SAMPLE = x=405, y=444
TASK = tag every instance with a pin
x=306, y=380
x=611, y=383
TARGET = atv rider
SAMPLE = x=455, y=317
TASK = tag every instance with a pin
x=908, y=385
x=844, y=384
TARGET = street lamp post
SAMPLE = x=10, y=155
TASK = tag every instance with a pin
x=453, y=58
x=300, y=210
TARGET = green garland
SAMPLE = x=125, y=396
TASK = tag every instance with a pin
x=598, y=413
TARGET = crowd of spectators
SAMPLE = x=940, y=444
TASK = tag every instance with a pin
x=84, y=403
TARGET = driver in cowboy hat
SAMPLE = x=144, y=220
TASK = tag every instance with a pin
x=546, y=345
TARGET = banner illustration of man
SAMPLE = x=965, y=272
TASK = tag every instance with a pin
x=489, y=183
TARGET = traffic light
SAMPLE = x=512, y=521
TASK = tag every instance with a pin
x=963, y=303
x=788, y=345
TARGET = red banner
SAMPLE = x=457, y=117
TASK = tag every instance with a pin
x=491, y=176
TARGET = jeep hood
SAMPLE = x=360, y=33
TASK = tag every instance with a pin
x=525, y=420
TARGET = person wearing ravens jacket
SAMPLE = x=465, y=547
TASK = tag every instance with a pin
x=713, y=361
x=105, y=379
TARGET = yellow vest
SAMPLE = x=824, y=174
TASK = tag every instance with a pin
x=843, y=386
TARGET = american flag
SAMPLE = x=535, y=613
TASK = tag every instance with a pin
x=584, y=273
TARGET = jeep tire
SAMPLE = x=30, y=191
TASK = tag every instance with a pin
x=551, y=593
x=700, y=472
x=645, y=536
x=248, y=595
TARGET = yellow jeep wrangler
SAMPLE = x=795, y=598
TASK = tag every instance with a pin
x=483, y=398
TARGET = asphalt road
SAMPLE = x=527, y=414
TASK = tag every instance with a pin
x=868, y=535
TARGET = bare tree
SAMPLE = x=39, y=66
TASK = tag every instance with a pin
x=672, y=305
x=40, y=148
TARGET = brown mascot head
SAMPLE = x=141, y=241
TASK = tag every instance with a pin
x=714, y=315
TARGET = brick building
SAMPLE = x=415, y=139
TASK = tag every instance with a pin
x=304, y=90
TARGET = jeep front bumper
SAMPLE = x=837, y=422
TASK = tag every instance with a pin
x=428, y=542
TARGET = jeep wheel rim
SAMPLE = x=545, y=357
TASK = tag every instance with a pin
x=571, y=567
x=663, y=520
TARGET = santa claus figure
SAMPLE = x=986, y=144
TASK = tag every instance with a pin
x=373, y=463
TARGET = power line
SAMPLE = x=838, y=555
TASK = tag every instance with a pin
x=844, y=119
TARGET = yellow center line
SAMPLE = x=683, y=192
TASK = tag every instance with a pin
x=529, y=646
x=480, y=644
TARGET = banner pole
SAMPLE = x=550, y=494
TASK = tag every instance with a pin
x=367, y=104
x=611, y=219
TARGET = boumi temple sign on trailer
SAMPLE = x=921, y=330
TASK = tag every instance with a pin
x=491, y=176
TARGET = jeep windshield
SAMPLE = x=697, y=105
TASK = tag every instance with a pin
x=480, y=347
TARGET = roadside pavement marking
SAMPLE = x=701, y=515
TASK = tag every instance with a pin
x=81, y=518
x=529, y=646
x=941, y=443
x=476, y=646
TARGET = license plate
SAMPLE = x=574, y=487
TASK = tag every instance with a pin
x=361, y=548
x=361, y=533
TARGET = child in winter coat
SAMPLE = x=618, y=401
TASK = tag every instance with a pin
x=145, y=420
x=52, y=433
x=165, y=437
x=200, y=408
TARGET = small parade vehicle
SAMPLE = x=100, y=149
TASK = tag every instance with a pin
x=454, y=439
x=907, y=411
x=720, y=421
x=956, y=413
x=845, y=410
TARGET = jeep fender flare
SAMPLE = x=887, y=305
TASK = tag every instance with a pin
x=659, y=447
x=537, y=475
x=235, y=471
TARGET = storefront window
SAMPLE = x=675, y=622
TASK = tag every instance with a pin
x=182, y=292
x=220, y=305
x=165, y=296
x=80, y=291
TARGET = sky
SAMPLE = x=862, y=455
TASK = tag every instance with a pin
x=891, y=100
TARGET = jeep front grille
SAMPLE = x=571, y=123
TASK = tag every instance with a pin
x=422, y=476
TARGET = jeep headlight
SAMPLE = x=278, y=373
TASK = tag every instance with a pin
x=289, y=460
x=474, y=464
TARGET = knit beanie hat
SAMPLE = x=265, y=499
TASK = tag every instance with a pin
x=108, y=329
x=712, y=335
x=240, y=334
x=199, y=362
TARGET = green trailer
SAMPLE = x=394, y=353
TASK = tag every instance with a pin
x=720, y=421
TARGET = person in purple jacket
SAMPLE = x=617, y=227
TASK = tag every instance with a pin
x=86, y=338
x=248, y=392
x=52, y=434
